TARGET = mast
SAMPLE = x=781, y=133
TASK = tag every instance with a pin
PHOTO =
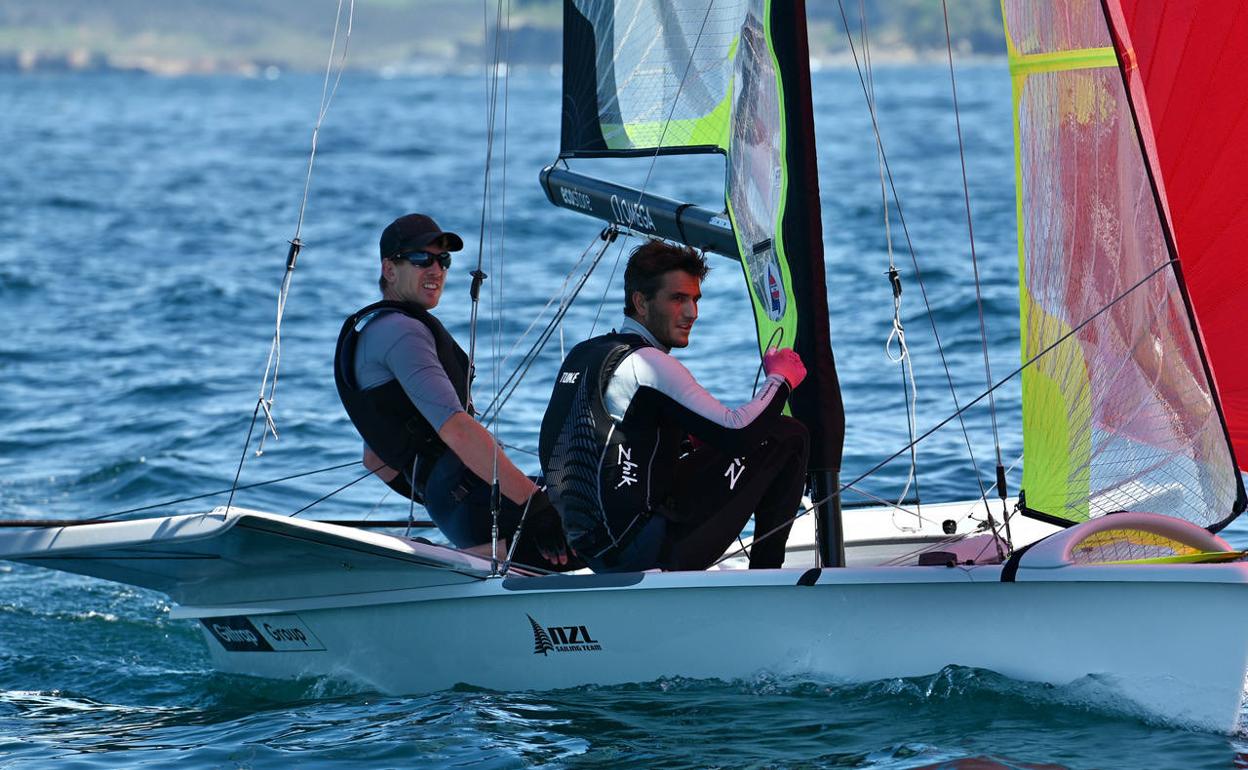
x=818, y=402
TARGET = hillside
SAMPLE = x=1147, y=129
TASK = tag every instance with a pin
x=242, y=36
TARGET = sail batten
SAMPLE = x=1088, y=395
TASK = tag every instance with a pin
x=1123, y=415
x=1079, y=58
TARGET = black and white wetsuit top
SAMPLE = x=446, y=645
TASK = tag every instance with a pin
x=620, y=411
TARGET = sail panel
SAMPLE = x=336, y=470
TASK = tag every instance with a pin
x=757, y=183
x=659, y=75
x=1185, y=64
x=772, y=197
x=1119, y=414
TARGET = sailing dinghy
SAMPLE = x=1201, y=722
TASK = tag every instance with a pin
x=1128, y=450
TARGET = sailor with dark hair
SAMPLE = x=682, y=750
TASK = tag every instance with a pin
x=645, y=466
x=405, y=384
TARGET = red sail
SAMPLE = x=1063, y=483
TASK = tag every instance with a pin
x=1186, y=63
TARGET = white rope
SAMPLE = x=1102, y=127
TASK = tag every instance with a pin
x=898, y=334
x=959, y=409
x=490, y=414
x=273, y=364
x=496, y=72
x=268, y=382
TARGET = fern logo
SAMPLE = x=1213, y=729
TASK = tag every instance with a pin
x=548, y=639
x=541, y=640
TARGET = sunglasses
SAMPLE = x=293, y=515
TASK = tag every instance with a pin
x=424, y=259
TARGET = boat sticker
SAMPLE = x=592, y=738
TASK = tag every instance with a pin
x=236, y=634
x=548, y=639
x=634, y=215
x=775, y=299
x=263, y=633
x=575, y=199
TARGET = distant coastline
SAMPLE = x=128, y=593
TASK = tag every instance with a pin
x=172, y=38
x=82, y=61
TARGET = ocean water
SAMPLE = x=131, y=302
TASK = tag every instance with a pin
x=143, y=229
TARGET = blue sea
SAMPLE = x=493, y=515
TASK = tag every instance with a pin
x=143, y=237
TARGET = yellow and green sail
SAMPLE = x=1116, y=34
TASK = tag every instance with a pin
x=1118, y=413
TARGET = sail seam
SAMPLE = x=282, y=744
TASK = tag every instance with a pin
x=1063, y=61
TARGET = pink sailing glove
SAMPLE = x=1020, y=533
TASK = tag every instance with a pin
x=787, y=364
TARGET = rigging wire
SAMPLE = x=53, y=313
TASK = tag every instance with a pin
x=511, y=381
x=498, y=71
x=520, y=449
x=879, y=140
x=910, y=391
x=273, y=364
x=325, y=497
x=502, y=49
x=615, y=268
x=226, y=490
x=900, y=506
x=896, y=505
x=979, y=299
x=491, y=112
x=608, y=236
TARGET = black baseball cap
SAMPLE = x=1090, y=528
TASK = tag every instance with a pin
x=413, y=232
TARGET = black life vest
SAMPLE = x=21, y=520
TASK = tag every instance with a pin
x=386, y=418
x=594, y=475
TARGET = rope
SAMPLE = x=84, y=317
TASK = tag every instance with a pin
x=324, y=497
x=979, y=299
x=522, y=368
x=273, y=364
x=775, y=339
x=909, y=389
x=229, y=489
x=879, y=141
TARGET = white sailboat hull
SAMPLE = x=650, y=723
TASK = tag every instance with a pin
x=283, y=598
x=1142, y=641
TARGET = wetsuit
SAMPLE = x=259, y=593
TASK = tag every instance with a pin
x=632, y=491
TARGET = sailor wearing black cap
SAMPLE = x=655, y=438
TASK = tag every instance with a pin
x=405, y=384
